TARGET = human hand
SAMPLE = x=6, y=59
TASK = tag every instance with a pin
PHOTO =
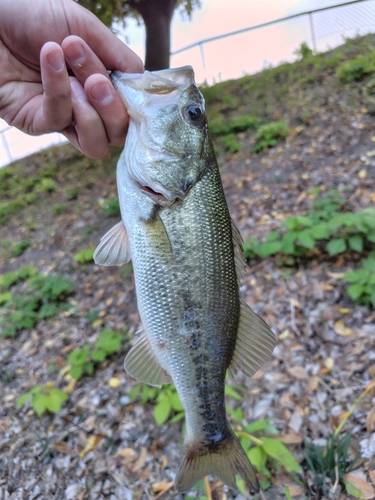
x=38, y=40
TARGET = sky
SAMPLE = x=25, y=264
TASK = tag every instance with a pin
x=228, y=58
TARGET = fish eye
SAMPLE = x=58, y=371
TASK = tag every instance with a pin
x=194, y=113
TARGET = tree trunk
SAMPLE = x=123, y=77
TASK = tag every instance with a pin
x=157, y=16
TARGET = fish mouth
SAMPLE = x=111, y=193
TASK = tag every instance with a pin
x=163, y=199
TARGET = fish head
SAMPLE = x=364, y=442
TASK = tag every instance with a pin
x=167, y=131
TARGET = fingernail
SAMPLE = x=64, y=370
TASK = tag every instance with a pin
x=75, y=53
x=102, y=92
x=77, y=90
x=56, y=61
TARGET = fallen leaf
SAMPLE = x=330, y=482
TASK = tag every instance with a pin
x=329, y=363
x=297, y=372
x=371, y=473
x=92, y=443
x=294, y=490
x=114, y=382
x=340, y=328
x=312, y=384
x=141, y=460
x=62, y=447
x=362, y=174
x=161, y=485
x=370, y=420
x=363, y=486
x=291, y=438
x=126, y=453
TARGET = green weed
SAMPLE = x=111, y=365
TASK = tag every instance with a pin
x=362, y=288
x=112, y=208
x=41, y=298
x=19, y=248
x=357, y=69
x=83, y=360
x=265, y=450
x=85, y=255
x=268, y=135
x=330, y=464
x=43, y=398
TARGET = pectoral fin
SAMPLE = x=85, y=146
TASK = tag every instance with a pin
x=254, y=344
x=113, y=248
x=141, y=363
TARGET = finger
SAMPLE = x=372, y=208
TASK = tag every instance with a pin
x=57, y=108
x=81, y=59
x=107, y=102
x=113, y=53
x=87, y=133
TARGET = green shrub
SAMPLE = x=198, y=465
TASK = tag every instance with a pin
x=357, y=68
x=268, y=135
x=42, y=299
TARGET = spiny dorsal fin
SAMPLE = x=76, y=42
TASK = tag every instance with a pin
x=113, y=248
x=254, y=344
x=141, y=363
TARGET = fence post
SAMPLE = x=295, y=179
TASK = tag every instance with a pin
x=203, y=60
x=312, y=32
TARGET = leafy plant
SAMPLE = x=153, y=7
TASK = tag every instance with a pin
x=268, y=135
x=304, y=51
x=324, y=227
x=43, y=398
x=265, y=450
x=44, y=295
x=112, y=207
x=19, y=248
x=84, y=256
x=362, y=288
x=331, y=463
x=357, y=68
x=82, y=360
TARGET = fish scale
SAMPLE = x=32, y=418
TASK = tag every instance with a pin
x=188, y=260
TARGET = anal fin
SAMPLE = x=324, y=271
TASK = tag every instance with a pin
x=113, y=248
x=254, y=344
x=141, y=363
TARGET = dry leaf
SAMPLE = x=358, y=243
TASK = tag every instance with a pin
x=141, y=460
x=92, y=443
x=329, y=363
x=361, y=485
x=341, y=329
x=114, y=382
x=126, y=453
x=62, y=447
x=370, y=420
x=294, y=490
x=291, y=438
x=297, y=372
x=161, y=485
x=371, y=473
x=312, y=384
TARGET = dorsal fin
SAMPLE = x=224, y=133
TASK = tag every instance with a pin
x=239, y=256
x=254, y=343
x=113, y=248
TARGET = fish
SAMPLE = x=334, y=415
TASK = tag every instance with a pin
x=188, y=262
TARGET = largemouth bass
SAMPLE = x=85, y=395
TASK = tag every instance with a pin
x=188, y=261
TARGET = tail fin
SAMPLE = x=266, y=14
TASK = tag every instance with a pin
x=225, y=459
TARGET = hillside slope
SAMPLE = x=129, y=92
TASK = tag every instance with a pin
x=105, y=444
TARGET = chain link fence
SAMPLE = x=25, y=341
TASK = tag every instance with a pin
x=245, y=51
x=251, y=49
